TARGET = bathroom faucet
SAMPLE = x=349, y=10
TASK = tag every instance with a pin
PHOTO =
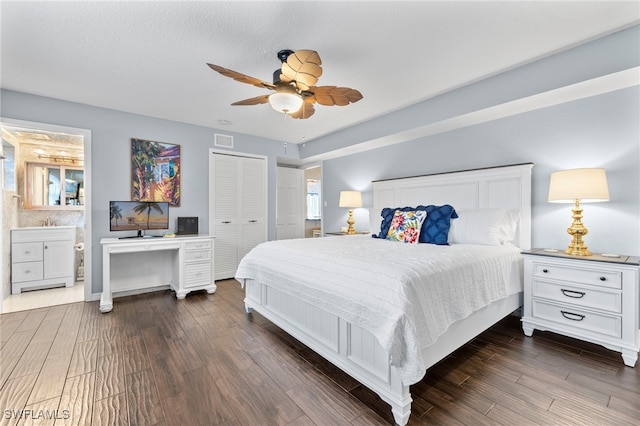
x=48, y=222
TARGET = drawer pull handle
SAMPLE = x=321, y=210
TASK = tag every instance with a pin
x=571, y=316
x=545, y=270
x=253, y=221
x=573, y=293
x=603, y=278
x=27, y=252
x=226, y=221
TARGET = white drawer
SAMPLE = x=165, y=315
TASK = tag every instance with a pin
x=26, y=271
x=591, y=276
x=588, y=297
x=197, y=274
x=569, y=316
x=197, y=256
x=26, y=252
x=198, y=244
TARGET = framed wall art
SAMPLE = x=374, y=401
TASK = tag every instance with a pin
x=155, y=171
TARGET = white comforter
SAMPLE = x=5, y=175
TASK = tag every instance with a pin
x=406, y=295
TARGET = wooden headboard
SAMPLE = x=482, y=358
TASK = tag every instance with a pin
x=496, y=187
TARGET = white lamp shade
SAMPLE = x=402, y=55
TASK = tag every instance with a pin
x=586, y=185
x=350, y=199
x=285, y=102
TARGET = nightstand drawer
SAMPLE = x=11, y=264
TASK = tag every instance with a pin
x=587, y=297
x=591, y=276
x=585, y=320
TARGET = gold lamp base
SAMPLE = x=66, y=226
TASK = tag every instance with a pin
x=351, y=221
x=577, y=231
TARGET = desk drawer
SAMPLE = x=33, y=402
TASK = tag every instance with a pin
x=582, y=275
x=26, y=271
x=197, y=274
x=196, y=245
x=26, y=252
x=608, y=325
x=197, y=256
x=587, y=297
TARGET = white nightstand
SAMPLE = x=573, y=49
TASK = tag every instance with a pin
x=594, y=298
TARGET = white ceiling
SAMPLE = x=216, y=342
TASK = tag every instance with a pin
x=150, y=57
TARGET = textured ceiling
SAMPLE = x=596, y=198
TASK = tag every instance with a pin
x=150, y=57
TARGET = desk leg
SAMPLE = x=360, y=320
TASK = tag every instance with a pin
x=106, y=303
x=212, y=289
x=106, y=300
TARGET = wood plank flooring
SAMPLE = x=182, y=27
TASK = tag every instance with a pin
x=156, y=360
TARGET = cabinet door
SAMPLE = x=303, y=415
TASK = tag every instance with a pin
x=58, y=259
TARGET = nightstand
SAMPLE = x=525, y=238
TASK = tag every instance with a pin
x=594, y=298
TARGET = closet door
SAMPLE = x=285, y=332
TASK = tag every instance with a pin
x=226, y=172
x=252, y=204
x=239, y=203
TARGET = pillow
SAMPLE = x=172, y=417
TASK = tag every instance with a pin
x=435, y=229
x=387, y=215
x=405, y=226
x=485, y=226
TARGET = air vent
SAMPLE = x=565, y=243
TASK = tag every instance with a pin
x=224, y=141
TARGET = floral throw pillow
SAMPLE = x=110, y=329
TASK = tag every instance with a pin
x=405, y=226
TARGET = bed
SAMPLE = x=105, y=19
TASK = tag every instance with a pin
x=384, y=311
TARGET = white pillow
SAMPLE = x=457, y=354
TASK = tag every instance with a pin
x=484, y=226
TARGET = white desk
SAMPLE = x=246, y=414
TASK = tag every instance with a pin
x=135, y=265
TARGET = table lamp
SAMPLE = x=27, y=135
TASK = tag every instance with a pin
x=351, y=200
x=576, y=186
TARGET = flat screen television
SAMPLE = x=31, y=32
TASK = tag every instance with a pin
x=138, y=216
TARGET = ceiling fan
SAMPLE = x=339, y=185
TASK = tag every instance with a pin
x=293, y=85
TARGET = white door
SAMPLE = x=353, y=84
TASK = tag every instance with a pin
x=225, y=212
x=290, y=203
x=252, y=204
x=238, y=208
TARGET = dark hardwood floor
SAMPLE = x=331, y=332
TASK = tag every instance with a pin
x=203, y=361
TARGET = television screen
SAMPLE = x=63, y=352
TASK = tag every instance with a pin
x=138, y=215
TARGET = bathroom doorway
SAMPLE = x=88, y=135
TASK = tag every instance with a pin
x=46, y=182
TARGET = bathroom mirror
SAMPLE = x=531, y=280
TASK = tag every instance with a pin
x=54, y=187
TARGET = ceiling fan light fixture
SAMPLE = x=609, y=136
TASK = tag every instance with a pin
x=287, y=103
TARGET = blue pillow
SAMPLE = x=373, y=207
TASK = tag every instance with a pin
x=435, y=229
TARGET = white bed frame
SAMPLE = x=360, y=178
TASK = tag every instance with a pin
x=356, y=351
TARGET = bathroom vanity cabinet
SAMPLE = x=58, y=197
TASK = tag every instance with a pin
x=42, y=257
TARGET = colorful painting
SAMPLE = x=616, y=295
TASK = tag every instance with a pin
x=155, y=171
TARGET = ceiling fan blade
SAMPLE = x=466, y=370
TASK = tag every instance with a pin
x=242, y=78
x=333, y=95
x=305, y=111
x=303, y=67
x=253, y=101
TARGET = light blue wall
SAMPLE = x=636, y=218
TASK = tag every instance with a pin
x=111, y=133
x=601, y=131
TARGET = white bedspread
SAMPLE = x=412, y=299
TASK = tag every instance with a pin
x=406, y=295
